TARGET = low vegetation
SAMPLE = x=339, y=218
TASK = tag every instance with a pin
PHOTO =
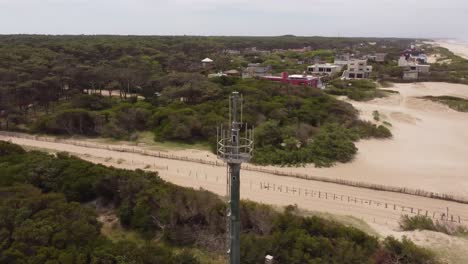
x=455, y=72
x=357, y=90
x=46, y=218
x=421, y=222
x=456, y=103
x=376, y=115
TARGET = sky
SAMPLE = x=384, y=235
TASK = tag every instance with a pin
x=345, y=18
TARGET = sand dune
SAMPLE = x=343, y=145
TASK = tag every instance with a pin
x=428, y=150
x=457, y=47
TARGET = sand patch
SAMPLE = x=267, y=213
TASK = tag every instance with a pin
x=426, y=105
x=403, y=118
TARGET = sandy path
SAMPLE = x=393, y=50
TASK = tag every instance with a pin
x=384, y=209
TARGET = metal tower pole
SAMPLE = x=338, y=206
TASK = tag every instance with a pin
x=234, y=148
x=234, y=214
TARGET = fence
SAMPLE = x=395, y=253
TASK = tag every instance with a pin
x=405, y=209
x=378, y=187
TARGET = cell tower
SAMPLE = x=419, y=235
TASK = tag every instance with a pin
x=234, y=145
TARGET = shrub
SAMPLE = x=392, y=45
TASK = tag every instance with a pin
x=404, y=252
x=8, y=148
x=421, y=222
x=418, y=222
x=333, y=143
x=376, y=115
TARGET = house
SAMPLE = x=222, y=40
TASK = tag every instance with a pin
x=413, y=72
x=406, y=60
x=232, y=73
x=206, y=62
x=296, y=79
x=410, y=75
x=414, y=63
x=377, y=57
x=421, y=58
x=256, y=70
x=327, y=68
x=342, y=60
x=357, y=69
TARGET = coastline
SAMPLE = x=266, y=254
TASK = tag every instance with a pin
x=458, y=47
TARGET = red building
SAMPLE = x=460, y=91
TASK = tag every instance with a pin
x=295, y=79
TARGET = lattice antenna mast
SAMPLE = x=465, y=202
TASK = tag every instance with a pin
x=234, y=146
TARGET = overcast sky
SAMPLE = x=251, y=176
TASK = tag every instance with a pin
x=379, y=18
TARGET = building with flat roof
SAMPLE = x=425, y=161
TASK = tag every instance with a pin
x=414, y=66
x=256, y=70
x=357, y=69
x=296, y=79
x=377, y=57
x=324, y=68
x=342, y=60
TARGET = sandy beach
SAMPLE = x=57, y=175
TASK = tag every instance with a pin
x=459, y=48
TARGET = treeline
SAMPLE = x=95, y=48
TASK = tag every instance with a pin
x=64, y=85
x=45, y=218
x=38, y=70
x=294, y=125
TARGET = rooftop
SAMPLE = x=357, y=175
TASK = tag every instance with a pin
x=207, y=60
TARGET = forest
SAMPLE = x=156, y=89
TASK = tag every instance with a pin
x=117, y=87
x=48, y=215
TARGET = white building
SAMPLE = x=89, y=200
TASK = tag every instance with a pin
x=256, y=70
x=411, y=60
x=357, y=69
x=327, y=68
x=377, y=57
x=342, y=60
x=413, y=67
